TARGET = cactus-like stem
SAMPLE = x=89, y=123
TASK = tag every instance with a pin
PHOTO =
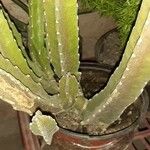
x=6, y=65
x=128, y=81
x=50, y=88
x=19, y=41
x=62, y=35
x=11, y=51
x=37, y=37
x=44, y=101
x=80, y=104
x=44, y=126
x=69, y=89
x=36, y=33
x=9, y=48
x=114, y=80
x=51, y=35
x=24, y=98
x=16, y=94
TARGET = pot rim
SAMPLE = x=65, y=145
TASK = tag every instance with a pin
x=114, y=134
x=93, y=65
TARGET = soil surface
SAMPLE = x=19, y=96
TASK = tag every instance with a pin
x=71, y=119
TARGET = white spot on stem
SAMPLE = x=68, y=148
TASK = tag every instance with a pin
x=7, y=60
x=133, y=56
x=58, y=33
x=87, y=120
x=120, y=83
x=39, y=84
x=84, y=106
x=61, y=54
x=28, y=76
x=93, y=115
x=104, y=106
x=57, y=9
x=59, y=44
x=16, y=67
x=147, y=22
x=27, y=90
x=115, y=91
x=99, y=110
x=38, y=98
x=139, y=41
x=142, y=90
x=145, y=83
x=123, y=77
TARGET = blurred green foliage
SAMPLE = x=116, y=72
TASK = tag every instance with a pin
x=123, y=11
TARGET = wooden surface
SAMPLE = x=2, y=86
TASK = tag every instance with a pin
x=141, y=140
x=10, y=138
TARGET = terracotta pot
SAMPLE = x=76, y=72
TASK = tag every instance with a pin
x=116, y=139
x=66, y=140
x=119, y=140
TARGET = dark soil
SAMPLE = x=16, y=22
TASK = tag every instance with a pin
x=94, y=78
x=92, y=82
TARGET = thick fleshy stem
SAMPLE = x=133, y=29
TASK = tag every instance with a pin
x=61, y=23
x=131, y=76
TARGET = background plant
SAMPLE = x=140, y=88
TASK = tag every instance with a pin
x=123, y=11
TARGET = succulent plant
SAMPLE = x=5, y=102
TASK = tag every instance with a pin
x=46, y=77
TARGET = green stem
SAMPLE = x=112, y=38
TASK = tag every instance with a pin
x=126, y=83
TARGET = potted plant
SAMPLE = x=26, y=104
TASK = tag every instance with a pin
x=43, y=80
